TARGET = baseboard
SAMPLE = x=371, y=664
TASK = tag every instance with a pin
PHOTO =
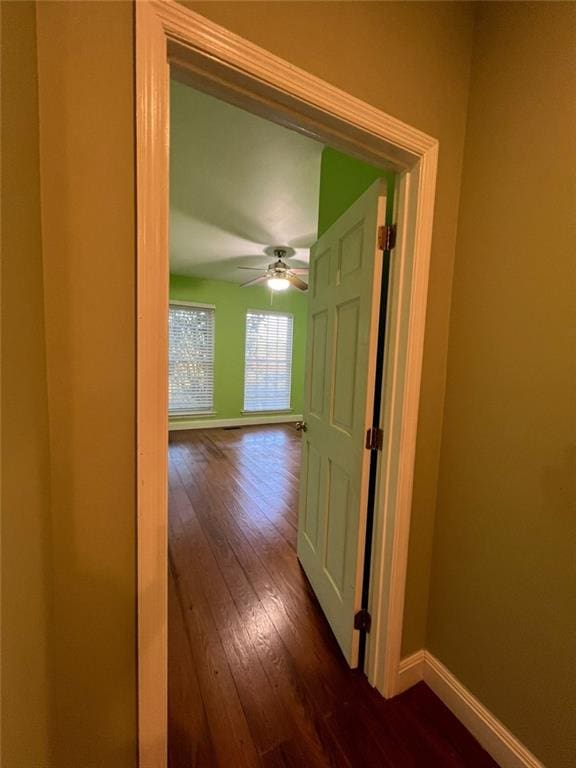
x=493, y=735
x=411, y=671
x=242, y=421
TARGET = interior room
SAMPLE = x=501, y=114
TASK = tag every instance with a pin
x=472, y=105
x=259, y=667
x=240, y=188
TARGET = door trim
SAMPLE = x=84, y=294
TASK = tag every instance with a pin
x=219, y=62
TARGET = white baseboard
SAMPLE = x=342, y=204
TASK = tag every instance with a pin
x=493, y=735
x=411, y=671
x=243, y=421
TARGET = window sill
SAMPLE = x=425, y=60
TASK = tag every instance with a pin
x=190, y=414
x=270, y=410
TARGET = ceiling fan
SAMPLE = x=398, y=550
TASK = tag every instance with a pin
x=279, y=275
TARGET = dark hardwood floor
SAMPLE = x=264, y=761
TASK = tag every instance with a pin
x=255, y=675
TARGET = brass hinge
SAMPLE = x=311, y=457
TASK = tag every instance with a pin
x=387, y=237
x=362, y=620
x=374, y=439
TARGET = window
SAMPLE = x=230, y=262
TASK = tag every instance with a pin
x=190, y=358
x=268, y=361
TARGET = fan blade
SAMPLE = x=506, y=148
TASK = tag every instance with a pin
x=299, y=271
x=256, y=280
x=296, y=282
x=260, y=268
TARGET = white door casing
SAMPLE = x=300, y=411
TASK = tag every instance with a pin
x=217, y=61
x=343, y=312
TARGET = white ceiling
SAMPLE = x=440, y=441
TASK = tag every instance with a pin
x=238, y=184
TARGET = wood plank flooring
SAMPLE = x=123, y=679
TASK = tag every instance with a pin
x=255, y=675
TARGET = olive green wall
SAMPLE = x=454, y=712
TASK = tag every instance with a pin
x=342, y=180
x=86, y=70
x=420, y=75
x=503, y=594
x=86, y=104
x=25, y=492
x=232, y=302
x=501, y=610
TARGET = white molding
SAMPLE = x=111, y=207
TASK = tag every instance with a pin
x=287, y=411
x=152, y=78
x=221, y=63
x=270, y=312
x=490, y=732
x=247, y=421
x=207, y=52
x=411, y=671
x=179, y=303
x=174, y=416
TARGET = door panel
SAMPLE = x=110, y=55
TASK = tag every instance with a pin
x=312, y=468
x=350, y=252
x=318, y=330
x=320, y=273
x=345, y=277
x=337, y=517
x=344, y=374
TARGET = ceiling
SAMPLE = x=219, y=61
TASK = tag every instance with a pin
x=238, y=184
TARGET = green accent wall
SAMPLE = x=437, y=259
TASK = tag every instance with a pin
x=342, y=180
x=232, y=302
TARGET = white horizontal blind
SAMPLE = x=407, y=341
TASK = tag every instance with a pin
x=191, y=359
x=268, y=361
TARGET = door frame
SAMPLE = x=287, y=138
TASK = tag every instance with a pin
x=215, y=60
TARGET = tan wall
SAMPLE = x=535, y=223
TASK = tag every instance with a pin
x=85, y=63
x=503, y=594
x=25, y=461
x=411, y=60
x=85, y=57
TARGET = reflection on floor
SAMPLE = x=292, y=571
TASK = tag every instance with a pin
x=255, y=675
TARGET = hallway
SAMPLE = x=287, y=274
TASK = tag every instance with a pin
x=255, y=675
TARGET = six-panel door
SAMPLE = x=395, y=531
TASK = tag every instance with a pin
x=344, y=297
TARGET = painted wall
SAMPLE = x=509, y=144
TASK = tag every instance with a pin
x=503, y=297
x=231, y=303
x=342, y=180
x=503, y=594
x=86, y=98
x=25, y=492
x=87, y=149
x=421, y=75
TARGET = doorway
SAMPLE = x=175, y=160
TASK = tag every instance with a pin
x=240, y=549
x=222, y=64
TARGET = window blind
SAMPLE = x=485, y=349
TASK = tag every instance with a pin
x=191, y=359
x=268, y=361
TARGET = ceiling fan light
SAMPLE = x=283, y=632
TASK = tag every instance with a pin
x=278, y=283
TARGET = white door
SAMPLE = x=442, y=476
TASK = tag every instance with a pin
x=344, y=301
